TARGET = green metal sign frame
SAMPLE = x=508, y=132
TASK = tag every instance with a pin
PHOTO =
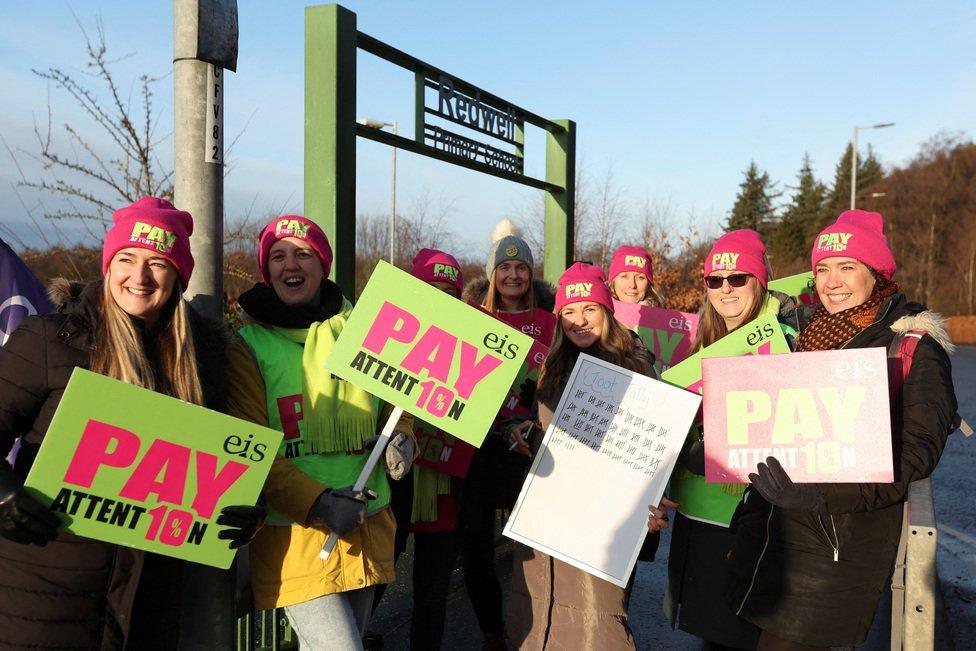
x=332, y=42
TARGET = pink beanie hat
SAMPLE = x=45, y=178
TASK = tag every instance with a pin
x=583, y=282
x=293, y=226
x=857, y=234
x=156, y=225
x=430, y=265
x=631, y=258
x=740, y=250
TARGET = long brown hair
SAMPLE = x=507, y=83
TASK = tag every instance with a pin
x=493, y=302
x=120, y=353
x=616, y=345
x=711, y=325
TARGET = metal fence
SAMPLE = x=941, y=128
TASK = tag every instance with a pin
x=265, y=630
x=915, y=581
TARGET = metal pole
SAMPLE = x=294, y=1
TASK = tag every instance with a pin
x=198, y=174
x=560, y=206
x=393, y=205
x=330, y=133
x=207, y=599
x=854, y=166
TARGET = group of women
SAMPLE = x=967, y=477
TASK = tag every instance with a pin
x=770, y=564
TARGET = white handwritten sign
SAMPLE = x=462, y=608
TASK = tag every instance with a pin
x=608, y=453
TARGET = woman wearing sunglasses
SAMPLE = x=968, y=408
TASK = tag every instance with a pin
x=736, y=274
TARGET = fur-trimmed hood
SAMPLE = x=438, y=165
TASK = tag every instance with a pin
x=545, y=296
x=79, y=304
x=933, y=323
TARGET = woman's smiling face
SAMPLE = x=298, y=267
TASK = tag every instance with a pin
x=295, y=271
x=583, y=323
x=843, y=283
x=733, y=304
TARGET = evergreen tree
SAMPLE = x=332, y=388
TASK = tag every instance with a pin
x=791, y=241
x=753, y=207
x=869, y=172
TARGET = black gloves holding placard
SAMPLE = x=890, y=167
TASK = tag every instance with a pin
x=339, y=509
x=775, y=485
x=244, y=522
x=22, y=518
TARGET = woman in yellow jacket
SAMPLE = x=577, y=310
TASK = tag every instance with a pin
x=297, y=316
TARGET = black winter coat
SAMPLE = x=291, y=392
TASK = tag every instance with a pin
x=815, y=577
x=77, y=593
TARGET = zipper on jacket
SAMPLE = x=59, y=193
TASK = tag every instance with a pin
x=833, y=542
x=755, y=570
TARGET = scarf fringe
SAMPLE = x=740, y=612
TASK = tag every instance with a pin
x=345, y=434
x=427, y=485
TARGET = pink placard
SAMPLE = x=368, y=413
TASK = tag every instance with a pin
x=443, y=452
x=823, y=415
x=524, y=386
x=666, y=333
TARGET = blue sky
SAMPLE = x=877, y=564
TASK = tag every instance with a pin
x=676, y=97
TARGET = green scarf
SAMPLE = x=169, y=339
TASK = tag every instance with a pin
x=427, y=485
x=338, y=414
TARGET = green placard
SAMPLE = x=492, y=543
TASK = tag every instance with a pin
x=129, y=466
x=798, y=286
x=761, y=336
x=440, y=359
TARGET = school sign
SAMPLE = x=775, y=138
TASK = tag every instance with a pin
x=454, y=121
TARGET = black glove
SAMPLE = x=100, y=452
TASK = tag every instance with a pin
x=775, y=485
x=527, y=393
x=22, y=518
x=244, y=522
x=339, y=509
x=694, y=458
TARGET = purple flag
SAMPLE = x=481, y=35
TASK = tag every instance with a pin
x=21, y=293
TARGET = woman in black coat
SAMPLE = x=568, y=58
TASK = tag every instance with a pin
x=58, y=590
x=810, y=561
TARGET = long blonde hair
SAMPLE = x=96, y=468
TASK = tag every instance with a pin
x=120, y=353
x=493, y=302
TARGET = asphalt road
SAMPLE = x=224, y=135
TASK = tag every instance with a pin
x=955, y=507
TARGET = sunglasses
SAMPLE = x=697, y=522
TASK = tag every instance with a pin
x=735, y=280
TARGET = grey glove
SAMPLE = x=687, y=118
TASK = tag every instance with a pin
x=775, y=485
x=399, y=455
x=340, y=509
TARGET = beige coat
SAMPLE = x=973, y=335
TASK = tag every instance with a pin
x=555, y=606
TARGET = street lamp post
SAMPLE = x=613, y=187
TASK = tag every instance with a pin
x=379, y=124
x=880, y=125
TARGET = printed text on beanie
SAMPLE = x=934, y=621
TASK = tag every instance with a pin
x=631, y=258
x=433, y=265
x=857, y=234
x=740, y=250
x=300, y=228
x=156, y=225
x=583, y=283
